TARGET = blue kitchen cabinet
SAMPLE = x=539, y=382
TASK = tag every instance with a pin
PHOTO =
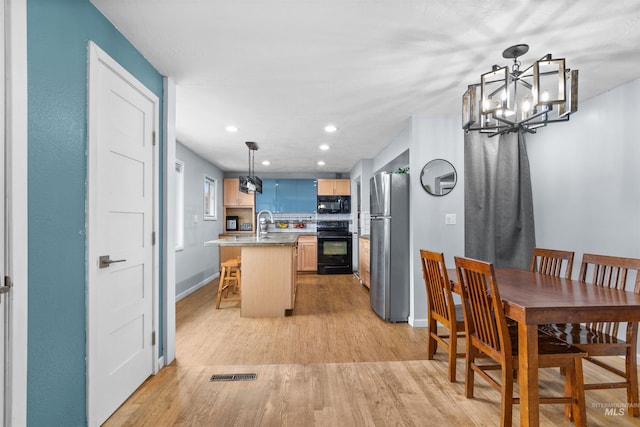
x=287, y=196
x=306, y=195
x=267, y=200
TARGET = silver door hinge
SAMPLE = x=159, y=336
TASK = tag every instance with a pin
x=153, y=137
x=6, y=285
x=153, y=338
x=153, y=238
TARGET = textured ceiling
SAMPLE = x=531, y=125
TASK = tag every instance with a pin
x=280, y=70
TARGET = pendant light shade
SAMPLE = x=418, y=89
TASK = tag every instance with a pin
x=251, y=183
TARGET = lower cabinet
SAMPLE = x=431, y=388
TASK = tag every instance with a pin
x=269, y=277
x=364, y=261
x=307, y=253
x=228, y=252
x=295, y=256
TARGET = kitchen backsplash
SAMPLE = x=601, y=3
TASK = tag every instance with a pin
x=365, y=223
x=291, y=222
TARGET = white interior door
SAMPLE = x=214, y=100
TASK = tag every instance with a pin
x=4, y=299
x=122, y=126
x=13, y=212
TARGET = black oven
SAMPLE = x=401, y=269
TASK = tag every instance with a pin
x=334, y=204
x=334, y=247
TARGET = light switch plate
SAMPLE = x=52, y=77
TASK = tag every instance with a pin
x=450, y=219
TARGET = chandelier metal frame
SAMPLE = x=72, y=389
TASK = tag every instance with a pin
x=509, y=100
x=251, y=182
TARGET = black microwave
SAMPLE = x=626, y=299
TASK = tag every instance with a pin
x=334, y=204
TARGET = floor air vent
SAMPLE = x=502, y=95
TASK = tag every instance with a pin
x=234, y=377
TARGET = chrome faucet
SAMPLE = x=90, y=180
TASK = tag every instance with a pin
x=262, y=223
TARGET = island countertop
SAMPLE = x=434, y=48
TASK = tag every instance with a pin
x=271, y=239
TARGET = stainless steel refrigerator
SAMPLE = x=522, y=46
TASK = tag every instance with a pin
x=389, y=287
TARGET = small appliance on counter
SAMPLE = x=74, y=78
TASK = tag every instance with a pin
x=232, y=223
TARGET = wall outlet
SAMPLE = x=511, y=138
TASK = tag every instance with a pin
x=195, y=219
x=450, y=219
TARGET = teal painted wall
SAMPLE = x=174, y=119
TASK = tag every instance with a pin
x=57, y=36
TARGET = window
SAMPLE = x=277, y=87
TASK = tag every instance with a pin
x=179, y=231
x=209, y=198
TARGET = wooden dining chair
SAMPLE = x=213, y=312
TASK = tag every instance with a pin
x=489, y=336
x=441, y=309
x=552, y=262
x=601, y=338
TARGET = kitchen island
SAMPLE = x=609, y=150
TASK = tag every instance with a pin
x=269, y=272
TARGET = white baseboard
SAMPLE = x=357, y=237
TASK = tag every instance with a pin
x=418, y=323
x=160, y=363
x=196, y=287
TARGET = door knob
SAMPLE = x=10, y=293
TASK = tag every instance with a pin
x=106, y=261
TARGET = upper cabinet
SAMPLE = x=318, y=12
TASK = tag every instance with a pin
x=287, y=196
x=306, y=195
x=233, y=196
x=334, y=187
x=267, y=199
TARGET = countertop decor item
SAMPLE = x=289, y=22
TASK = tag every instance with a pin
x=520, y=99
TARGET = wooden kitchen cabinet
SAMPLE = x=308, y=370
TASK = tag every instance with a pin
x=364, y=261
x=295, y=255
x=307, y=253
x=269, y=279
x=334, y=187
x=237, y=203
x=233, y=196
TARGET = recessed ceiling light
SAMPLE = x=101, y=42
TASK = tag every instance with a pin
x=320, y=163
x=266, y=162
x=324, y=147
x=330, y=128
x=231, y=128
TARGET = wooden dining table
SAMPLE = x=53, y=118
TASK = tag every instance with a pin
x=533, y=299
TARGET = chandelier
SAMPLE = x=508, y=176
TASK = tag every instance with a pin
x=251, y=182
x=511, y=100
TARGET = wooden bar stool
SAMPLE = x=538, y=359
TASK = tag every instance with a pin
x=230, y=280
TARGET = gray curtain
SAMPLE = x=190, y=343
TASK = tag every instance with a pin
x=499, y=226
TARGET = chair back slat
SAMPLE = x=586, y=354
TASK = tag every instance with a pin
x=483, y=311
x=610, y=272
x=438, y=287
x=551, y=262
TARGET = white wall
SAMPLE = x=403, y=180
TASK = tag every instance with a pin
x=586, y=186
x=585, y=178
x=425, y=138
x=362, y=172
x=434, y=137
x=395, y=154
x=195, y=264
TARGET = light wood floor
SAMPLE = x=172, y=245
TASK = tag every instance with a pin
x=333, y=363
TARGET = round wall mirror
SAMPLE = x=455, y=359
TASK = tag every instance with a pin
x=438, y=177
